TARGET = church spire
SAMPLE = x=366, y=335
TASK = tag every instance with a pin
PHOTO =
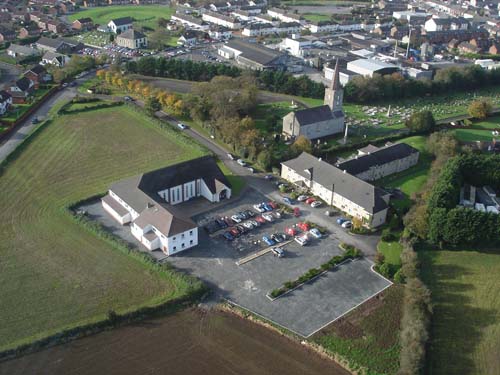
x=334, y=93
x=335, y=85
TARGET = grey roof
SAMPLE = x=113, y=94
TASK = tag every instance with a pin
x=23, y=83
x=254, y=51
x=37, y=69
x=313, y=115
x=23, y=50
x=57, y=42
x=131, y=35
x=381, y=156
x=188, y=18
x=350, y=187
x=53, y=55
x=122, y=21
x=4, y=96
x=141, y=192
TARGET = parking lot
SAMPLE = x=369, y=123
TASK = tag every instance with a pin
x=306, y=309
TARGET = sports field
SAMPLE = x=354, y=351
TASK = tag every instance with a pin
x=53, y=273
x=144, y=15
x=465, y=334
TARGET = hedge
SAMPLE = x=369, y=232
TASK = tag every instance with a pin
x=350, y=253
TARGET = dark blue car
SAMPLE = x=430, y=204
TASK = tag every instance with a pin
x=228, y=236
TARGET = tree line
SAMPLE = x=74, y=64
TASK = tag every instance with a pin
x=275, y=81
x=394, y=86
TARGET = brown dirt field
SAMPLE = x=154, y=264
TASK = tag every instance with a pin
x=189, y=343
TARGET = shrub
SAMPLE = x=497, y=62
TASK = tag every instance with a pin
x=293, y=195
x=385, y=270
x=388, y=236
x=379, y=258
x=399, y=277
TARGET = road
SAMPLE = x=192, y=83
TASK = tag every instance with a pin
x=27, y=127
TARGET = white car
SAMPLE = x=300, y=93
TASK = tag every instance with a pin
x=230, y=156
x=277, y=214
x=347, y=224
x=259, y=208
x=278, y=252
x=302, y=240
x=302, y=198
x=315, y=204
x=241, y=162
x=181, y=126
x=236, y=218
x=248, y=225
x=251, y=169
x=315, y=233
x=268, y=217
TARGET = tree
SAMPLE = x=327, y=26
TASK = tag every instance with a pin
x=301, y=144
x=421, y=121
x=152, y=105
x=264, y=159
x=480, y=109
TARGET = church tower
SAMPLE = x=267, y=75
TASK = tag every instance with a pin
x=334, y=95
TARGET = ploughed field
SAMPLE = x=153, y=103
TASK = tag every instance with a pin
x=189, y=342
x=54, y=274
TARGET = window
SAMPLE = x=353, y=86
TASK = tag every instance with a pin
x=190, y=232
x=183, y=245
x=175, y=248
x=174, y=238
x=182, y=235
x=191, y=242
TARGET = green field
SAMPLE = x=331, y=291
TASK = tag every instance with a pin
x=465, y=334
x=54, y=273
x=316, y=17
x=144, y=15
x=369, y=335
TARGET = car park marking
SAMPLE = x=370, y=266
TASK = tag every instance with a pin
x=260, y=253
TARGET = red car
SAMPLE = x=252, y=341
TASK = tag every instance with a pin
x=291, y=231
x=309, y=200
x=273, y=205
x=304, y=227
x=260, y=219
x=235, y=232
x=296, y=212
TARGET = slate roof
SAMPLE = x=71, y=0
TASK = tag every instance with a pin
x=131, y=35
x=37, y=69
x=141, y=193
x=85, y=20
x=313, y=115
x=254, y=51
x=122, y=21
x=56, y=43
x=23, y=83
x=4, y=96
x=381, y=156
x=350, y=187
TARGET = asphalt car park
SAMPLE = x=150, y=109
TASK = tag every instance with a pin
x=305, y=309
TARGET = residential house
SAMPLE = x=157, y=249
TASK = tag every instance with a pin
x=466, y=47
x=321, y=121
x=5, y=102
x=83, y=24
x=337, y=188
x=190, y=21
x=445, y=24
x=191, y=37
x=21, y=90
x=20, y=51
x=56, y=27
x=151, y=203
x=119, y=25
x=7, y=34
x=55, y=59
x=38, y=75
x=494, y=49
x=29, y=31
x=132, y=39
x=373, y=163
x=221, y=20
x=59, y=45
x=284, y=16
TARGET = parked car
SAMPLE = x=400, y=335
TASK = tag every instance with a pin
x=235, y=232
x=281, y=236
x=228, y=221
x=250, y=169
x=228, y=236
x=309, y=200
x=242, y=229
x=241, y=162
x=267, y=206
x=268, y=241
x=260, y=219
x=230, y=156
x=268, y=177
x=236, y=218
x=291, y=231
x=255, y=223
x=287, y=200
x=268, y=217
x=248, y=225
x=340, y=220
x=222, y=223
x=302, y=198
x=277, y=214
x=249, y=213
x=347, y=224
x=35, y=120
x=302, y=240
x=273, y=204
x=278, y=252
x=315, y=233
x=304, y=227
x=181, y=126
x=315, y=204
x=259, y=208
x=296, y=212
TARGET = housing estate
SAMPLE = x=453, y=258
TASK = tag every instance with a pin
x=148, y=202
x=318, y=122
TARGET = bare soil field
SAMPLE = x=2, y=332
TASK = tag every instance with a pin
x=190, y=342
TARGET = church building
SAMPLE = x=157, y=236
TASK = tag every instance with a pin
x=318, y=122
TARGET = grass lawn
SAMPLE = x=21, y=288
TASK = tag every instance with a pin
x=392, y=251
x=369, y=335
x=492, y=123
x=316, y=17
x=472, y=135
x=144, y=15
x=465, y=333
x=237, y=182
x=54, y=273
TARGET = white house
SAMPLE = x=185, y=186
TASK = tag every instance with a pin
x=189, y=21
x=283, y=15
x=149, y=202
x=297, y=46
x=119, y=25
x=5, y=102
x=55, y=59
x=132, y=39
x=221, y=20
